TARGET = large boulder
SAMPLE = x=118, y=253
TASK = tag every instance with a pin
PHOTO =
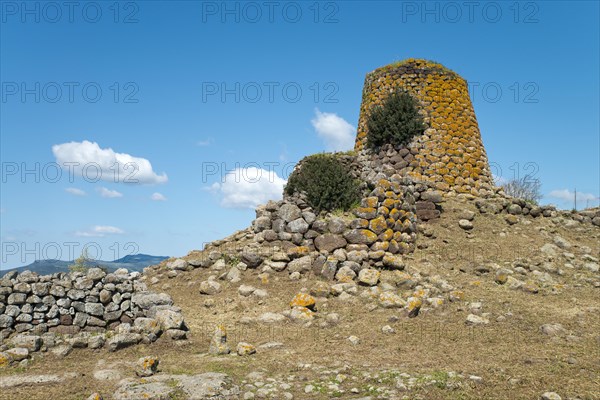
x=330, y=242
x=289, y=212
x=169, y=319
x=122, y=340
x=360, y=236
x=302, y=264
x=146, y=300
x=251, y=258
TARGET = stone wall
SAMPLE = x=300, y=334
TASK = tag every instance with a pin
x=450, y=154
x=385, y=225
x=91, y=302
x=513, y=207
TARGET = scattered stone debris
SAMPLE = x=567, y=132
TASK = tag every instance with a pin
x=218, y=343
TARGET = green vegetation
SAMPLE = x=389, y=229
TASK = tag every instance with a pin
x=231, y=259
x=429, y=63
x=441, y=379
x=82, y=263
x=327, y=183
x=397, y=121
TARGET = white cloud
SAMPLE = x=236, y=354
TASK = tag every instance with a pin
x=158, y=197
x=249, y=187
x=75, y=191
x=204, y=143
x=100, y=231
x=337, y=134
x=104, y=192
x=93, y=163
x=566, y=195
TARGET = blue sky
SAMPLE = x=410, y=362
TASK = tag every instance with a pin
x=192, y=91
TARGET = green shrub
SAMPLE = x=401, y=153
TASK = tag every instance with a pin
x=327, y=183
x=82, y=263
x=397, y=121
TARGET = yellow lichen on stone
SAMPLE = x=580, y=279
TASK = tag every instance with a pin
x=370, y=202
x=367, y=236
x=384, y=183
x=413, y=306
x=448, y=111
x=380, y=246
x=264, y=279
x=389, y=203
x=457, y=295
x=303, y=300
x=387, y=235
x=298, y=251
x=378, y=224
x=245, y=349
x=4, y=361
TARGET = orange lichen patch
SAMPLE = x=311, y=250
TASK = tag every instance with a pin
x=390, y=300
x=298, y=251
x=391, y=195
x=302, y=314
x=387, y=235
x=436, y=302
x=383, y=183
x=395, y=214
x=396, y=187
x=363, y=223
x=447, y=109
x=380, y=246
x=378, y=224
x=413, y=305
x=245, y=349
x=345, y=279
x=389, y=203
x=370, y=202
x=405, y=248
x=150, y=363
x=406, y=224
x=530, y=287
x=365, y=212
x=303, y=300
x=383, y=211
x=414, y=302
x=4, y=360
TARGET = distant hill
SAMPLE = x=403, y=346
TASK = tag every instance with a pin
x=135, y=262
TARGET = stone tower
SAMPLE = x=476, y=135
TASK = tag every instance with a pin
x=450, y=155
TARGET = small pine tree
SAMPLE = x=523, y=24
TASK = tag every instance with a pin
x=397, y=121
x=82, y=263
x=327, y=183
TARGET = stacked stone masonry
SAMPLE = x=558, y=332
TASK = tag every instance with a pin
x=450, y=154
x=376, y=233
x=84, y=304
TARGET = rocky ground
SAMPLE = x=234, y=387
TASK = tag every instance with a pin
x=489, y=306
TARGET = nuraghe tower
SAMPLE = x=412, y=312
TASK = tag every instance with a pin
x=450, y=155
